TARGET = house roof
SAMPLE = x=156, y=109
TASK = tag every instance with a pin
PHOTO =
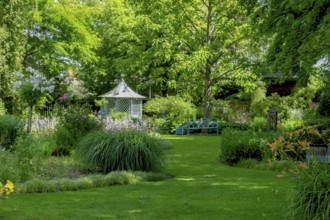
x=122, y=90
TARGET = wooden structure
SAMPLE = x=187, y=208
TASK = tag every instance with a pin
x=123, y=99
x=272, y=120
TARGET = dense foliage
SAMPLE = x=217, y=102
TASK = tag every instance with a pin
x=295, y=144
x=13, y=24
x=11, y=128
x=241, y=145
x=324, y=106
x=291, y=28
x=193, y=58
x=169, y=112
x=74, y=123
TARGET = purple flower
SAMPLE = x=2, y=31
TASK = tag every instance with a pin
x=98, y=113
x=84, y=117
x=64, y=97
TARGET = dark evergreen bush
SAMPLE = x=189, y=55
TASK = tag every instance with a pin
x=121, y=150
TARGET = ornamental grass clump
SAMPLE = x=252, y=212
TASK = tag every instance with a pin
x=310, y=199
x=121, y=150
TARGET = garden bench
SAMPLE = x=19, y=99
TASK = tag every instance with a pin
x=319, y=154
x=205, y=123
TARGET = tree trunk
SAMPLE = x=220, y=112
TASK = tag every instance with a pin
x=29, y=125
x=207, y=94
x=208, y=83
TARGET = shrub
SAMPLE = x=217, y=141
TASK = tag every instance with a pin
x=324, y=105
x=300, y=99
x=64, y=142
x=11, y=128
x=292, y=124
x=310, y=198
x=233, y=126
x=74, y=124
x=259, y=103
x=259, y=124
x=118, y=115
x=223, y=110
x=121, y=150
x=2, y=107
x=29, y=157
x=165, y=144
x=168, y=112
x=9, y=166
x=321, y=123
x=240, y=145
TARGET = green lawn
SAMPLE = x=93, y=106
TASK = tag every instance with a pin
x=201, y=189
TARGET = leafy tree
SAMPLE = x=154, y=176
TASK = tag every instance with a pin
x=13, y=22
x=114, y=24
x=202, y=41
x=182, y=47
x=60, y=37
x=131, y=45
x=48, y=36
x=298, y=33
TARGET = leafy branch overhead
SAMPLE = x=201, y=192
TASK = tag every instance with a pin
x=298, y=33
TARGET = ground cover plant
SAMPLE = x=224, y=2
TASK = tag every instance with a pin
x=199, y=188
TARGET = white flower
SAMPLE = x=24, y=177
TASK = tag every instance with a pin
x=19, y=75
x=38, y=81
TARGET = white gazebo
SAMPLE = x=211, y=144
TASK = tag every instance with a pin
x=123, y=99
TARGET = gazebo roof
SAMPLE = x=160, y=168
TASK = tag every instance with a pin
x=122, y=91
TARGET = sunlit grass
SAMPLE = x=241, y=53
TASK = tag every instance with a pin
x=201, y=189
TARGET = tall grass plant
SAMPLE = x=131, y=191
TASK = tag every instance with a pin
x=310, y=199
x=121, y=150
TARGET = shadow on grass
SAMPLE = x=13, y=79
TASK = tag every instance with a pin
x=201, y=189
